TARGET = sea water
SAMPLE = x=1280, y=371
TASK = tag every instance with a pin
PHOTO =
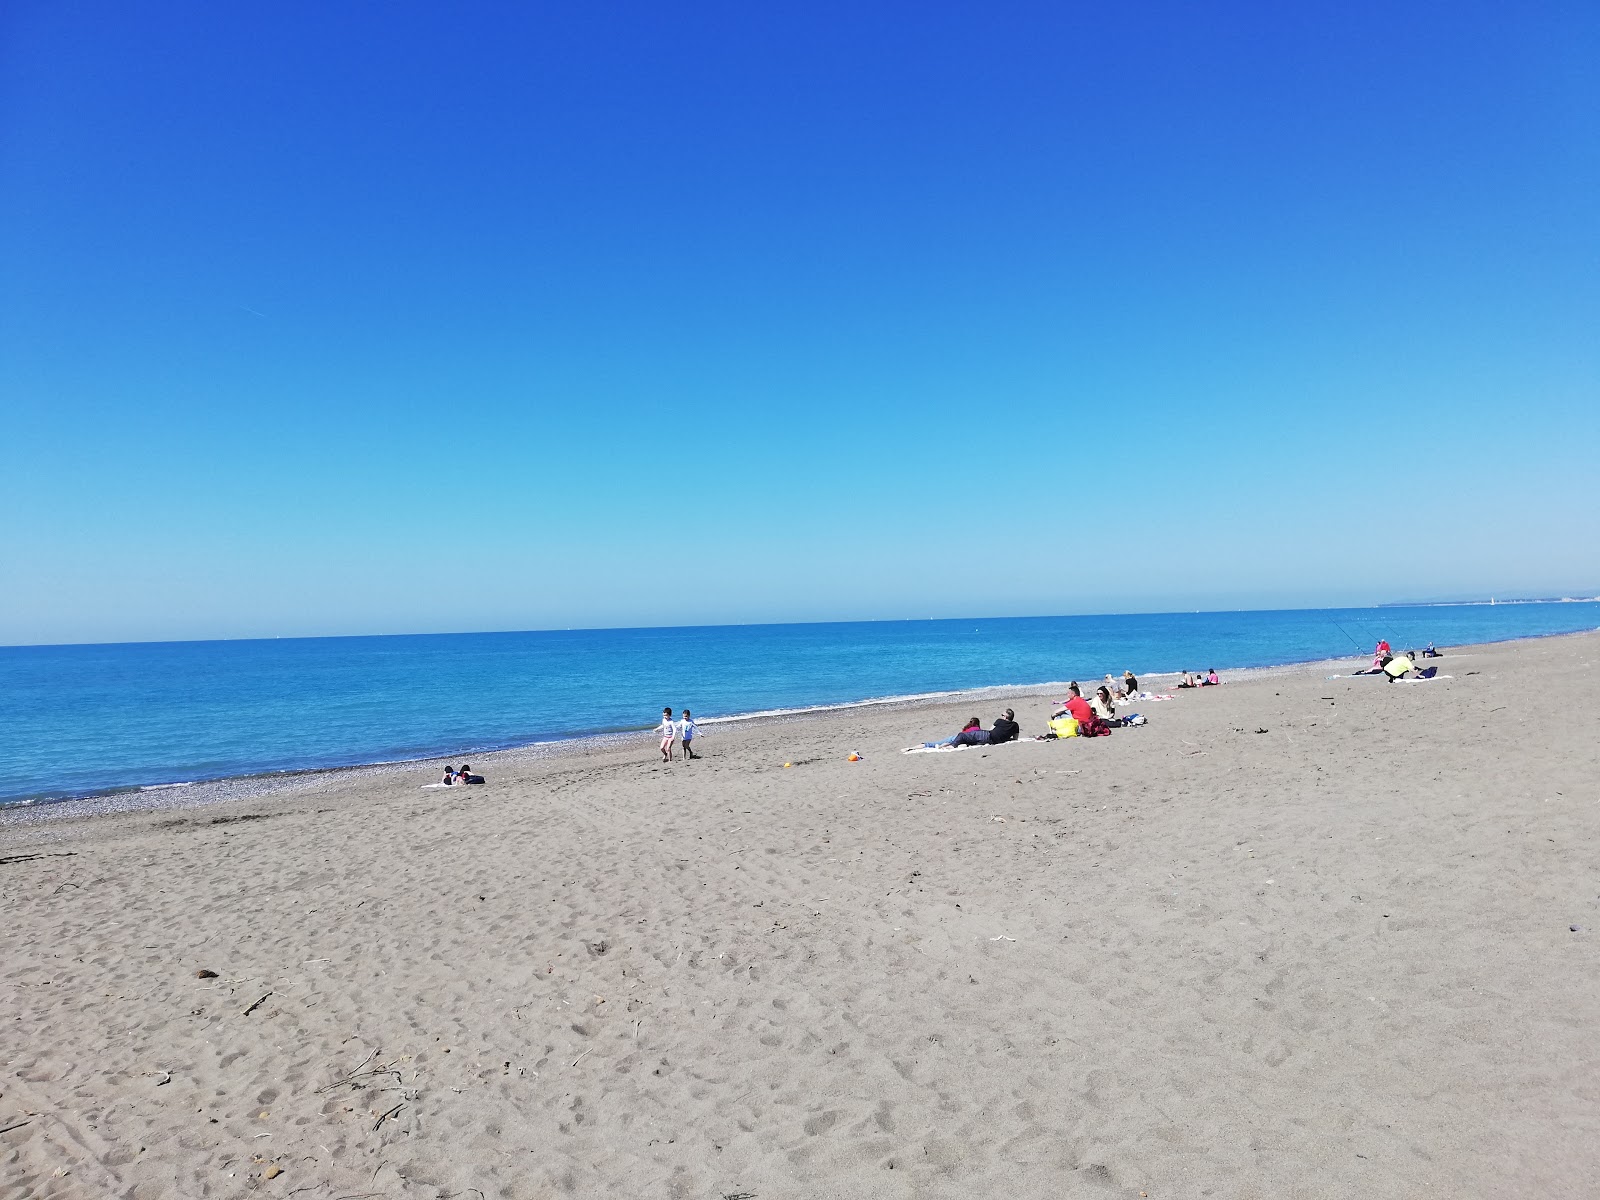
x=76, y=720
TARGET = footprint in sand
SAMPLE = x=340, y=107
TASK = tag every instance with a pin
x=821, y=1123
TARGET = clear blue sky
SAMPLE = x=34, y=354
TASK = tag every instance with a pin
x=375, y=318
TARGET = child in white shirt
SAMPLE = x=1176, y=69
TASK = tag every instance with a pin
x=668, y=731
x=686, y=734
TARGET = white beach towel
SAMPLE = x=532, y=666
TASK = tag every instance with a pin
x=979, y=746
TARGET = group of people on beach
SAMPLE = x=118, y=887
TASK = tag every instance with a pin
x=1394, y=666
x=680, y=731
x=1075, y=716
x=1096, y=716
x=453, y=777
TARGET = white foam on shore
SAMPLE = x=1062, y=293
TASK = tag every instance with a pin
x=877, y=701
x=161, y=787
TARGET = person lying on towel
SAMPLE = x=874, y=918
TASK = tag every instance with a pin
x=972, y=725
x=1005, y=730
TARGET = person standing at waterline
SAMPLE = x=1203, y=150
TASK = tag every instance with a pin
x=668, y=731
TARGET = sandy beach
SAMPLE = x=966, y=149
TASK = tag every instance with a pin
x=1296, y=937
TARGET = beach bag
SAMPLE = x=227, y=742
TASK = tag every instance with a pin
x=1095, y=726
x=1064, y=727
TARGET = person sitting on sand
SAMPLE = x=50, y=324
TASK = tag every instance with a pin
x=1104, y=706
x=1211, y=679
x=1130, y=685
x=1430, y=652
x=1188, y=681
x=1090, y=723
x=1075, y=704
x=449, y=776
x=973, y=724
x=465, y=775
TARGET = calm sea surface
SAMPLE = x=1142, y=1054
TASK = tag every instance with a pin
x=81, y=719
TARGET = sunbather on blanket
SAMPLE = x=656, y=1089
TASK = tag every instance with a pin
x=972, y=724
x=1005, y=730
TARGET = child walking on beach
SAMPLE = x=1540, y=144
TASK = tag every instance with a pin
x=686, y=735
x=668, y=731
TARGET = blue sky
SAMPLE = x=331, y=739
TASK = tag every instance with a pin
x=344, y=319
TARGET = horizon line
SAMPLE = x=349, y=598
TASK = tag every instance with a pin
x=307, y=637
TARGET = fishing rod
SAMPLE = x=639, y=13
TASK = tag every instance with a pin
x=1346, y=632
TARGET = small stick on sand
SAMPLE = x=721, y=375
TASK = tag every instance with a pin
x=16, y=858
x=384, y=1118
x=18, y=1125
x=351, y=1076
x=580, y=1057
x=256, y=1005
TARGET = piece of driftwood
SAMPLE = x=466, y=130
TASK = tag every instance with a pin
x=16, y=858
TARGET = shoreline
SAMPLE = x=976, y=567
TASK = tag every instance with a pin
x=163, y=797
x=224, y=788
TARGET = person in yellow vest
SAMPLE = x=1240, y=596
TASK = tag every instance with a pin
x=1397, y=668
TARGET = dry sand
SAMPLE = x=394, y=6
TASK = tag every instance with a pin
x=1294, y=938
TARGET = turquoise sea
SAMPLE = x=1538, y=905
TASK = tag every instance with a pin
x=77, y=720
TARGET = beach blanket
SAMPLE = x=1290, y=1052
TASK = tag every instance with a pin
x=979, y=746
